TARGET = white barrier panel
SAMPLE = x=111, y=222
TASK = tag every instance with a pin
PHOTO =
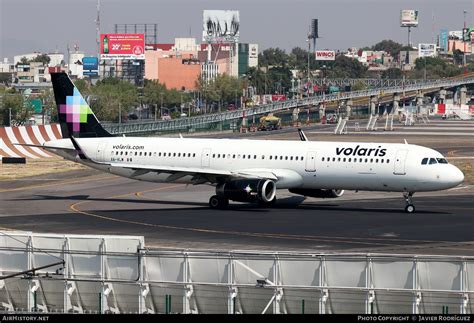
x=112, y=274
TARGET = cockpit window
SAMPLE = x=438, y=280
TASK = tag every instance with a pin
x=424, y=161
x=442, y=160
x=433, y=161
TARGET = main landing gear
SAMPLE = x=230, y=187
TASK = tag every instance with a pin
x=216, y=202
x=409, y=208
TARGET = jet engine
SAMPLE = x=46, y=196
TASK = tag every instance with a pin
x=248, y=190
x=317, y=192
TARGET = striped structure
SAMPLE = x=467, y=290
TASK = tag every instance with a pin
x=34, y=135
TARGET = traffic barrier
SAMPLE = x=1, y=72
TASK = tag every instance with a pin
x=32, y=135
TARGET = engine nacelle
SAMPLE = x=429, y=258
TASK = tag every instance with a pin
x=317, y=192
x=248, y=190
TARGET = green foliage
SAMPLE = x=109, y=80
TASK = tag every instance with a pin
x=14, y=101
x=223, y=89
x=392, y=73
x=388, y=46
x=43, y=58
x=5, y=78
x=111, y=95
x=273, y=57
x=346, y=67
x=435, y=67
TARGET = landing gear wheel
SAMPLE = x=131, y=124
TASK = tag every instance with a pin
x=410, y=208
x=216, y=202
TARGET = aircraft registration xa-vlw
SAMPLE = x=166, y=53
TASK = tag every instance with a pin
x=248, y=170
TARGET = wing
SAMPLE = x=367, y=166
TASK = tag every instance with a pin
x=200, y=175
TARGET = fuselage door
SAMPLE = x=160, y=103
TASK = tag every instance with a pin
x=399, y=165
x=311, y=161
x=205, y=157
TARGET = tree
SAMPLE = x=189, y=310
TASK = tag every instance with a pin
x=388, y=46
x=392, y=73
x=273, y=57
x=223, y=89
x=12, y=101
x=43, y=58
x=345, y=67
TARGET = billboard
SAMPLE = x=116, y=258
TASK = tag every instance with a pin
x=468, y=34
x=455, y=34
x=443, y=40
x=90, y=63
x=426, y=50
x=220, y=26
x=325, y=55
x=408, y=18
x=122, y=46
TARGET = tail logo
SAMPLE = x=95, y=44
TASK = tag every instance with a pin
x=76, y=110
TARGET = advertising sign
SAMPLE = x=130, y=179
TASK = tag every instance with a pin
x=122, y=46
x=443, y=40
x=325, y=55
x=467, y=34
x=409, y=18
x=90, y=63
x=426, y=50
x=278, y=97
x=221, y=26
x=455, y=34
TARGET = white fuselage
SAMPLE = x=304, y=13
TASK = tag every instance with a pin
x=296, y=164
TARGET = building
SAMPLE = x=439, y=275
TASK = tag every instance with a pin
x=75, y=64
x=6, y=66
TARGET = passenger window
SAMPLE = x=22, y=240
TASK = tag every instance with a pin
x=213, y=155
x=424, y=161
x=322, y=159
x=296, y=158
x=291, y=157
x=301, y=158
x=433, y=161
x=366, y=160
x=344, y=160
x=281, y=157
x=339, y=159
x=263, y=157
x=377, y=160
x=249, y=156
x=270, y=157
x=233, y=156
x=442, y=160
x=194, y=155
x=254, y=156
x=140, y=153
x=350, y=159
x=223, y=155
x=388, y=160
x=286, y=157
x=243, y=156
x=371, y=160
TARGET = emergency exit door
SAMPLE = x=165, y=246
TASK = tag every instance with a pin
x=311, y=161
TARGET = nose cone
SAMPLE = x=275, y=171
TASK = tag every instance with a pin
x=456, y=177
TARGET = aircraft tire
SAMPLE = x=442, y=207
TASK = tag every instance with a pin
x=218, y=203
x=410, y=208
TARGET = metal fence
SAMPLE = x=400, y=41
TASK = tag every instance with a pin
x=204, y=121
x=117, y=274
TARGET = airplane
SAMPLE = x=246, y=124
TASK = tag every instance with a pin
x=248, y=170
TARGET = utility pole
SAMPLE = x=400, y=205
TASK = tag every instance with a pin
x=464, y=41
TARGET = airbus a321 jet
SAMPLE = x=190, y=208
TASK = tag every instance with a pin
x=248, y=170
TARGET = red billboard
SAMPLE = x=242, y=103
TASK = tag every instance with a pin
x=278, y=97
x=122, y=46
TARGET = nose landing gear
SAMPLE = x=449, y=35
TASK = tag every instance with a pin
x=409, y=208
